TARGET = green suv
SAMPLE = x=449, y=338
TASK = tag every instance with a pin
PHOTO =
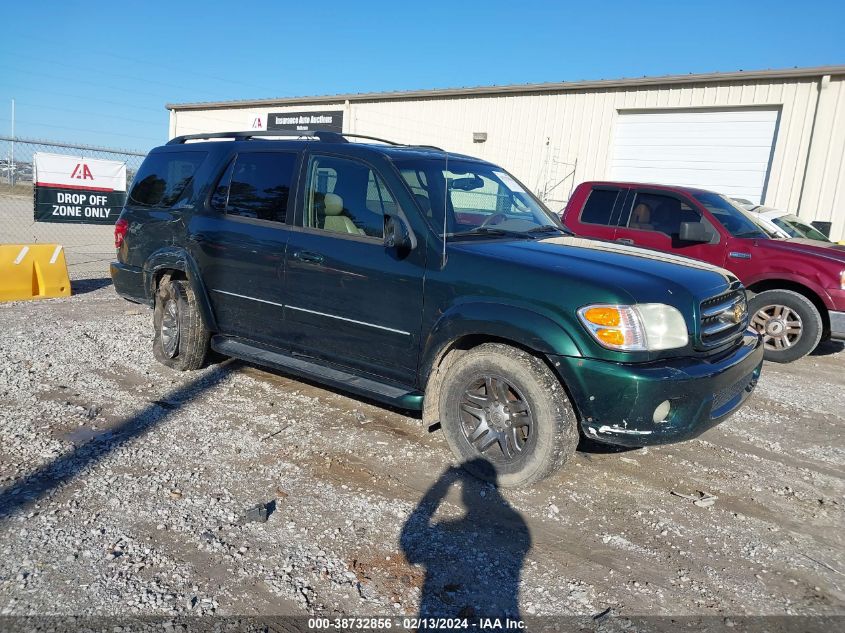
x=434, y=282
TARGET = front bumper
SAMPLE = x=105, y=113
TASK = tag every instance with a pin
x=837, y=325
x=616, y=402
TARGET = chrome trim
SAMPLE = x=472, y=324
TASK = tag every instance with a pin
x=235, y=294
x=340, y=318
x=722, y=326
x=737, y=255
x=721, y=307
x=717, y=327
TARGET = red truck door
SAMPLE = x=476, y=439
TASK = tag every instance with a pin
x=652, y=219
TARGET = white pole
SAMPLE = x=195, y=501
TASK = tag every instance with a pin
x=12, y=159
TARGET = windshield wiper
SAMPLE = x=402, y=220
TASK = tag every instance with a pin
x=490, y=231
x=550, y=228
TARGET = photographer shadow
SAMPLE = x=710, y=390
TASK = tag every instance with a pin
x=473, y=563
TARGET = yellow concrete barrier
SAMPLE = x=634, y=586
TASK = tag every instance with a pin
x=33, y=271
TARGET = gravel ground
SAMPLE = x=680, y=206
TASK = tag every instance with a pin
x=125, y=488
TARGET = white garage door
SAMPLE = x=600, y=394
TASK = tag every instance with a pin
x=727, y=151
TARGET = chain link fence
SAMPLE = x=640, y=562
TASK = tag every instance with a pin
x=88, y=247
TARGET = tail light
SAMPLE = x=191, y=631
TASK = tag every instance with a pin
x=120, y=228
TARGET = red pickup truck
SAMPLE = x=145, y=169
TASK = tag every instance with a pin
x=796, y=287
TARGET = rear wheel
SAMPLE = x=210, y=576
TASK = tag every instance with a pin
x=503, y=406
x=181, y=339
x=789, y=323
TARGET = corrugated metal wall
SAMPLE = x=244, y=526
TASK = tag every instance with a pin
x=553, y=141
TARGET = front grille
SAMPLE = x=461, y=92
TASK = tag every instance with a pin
x=723, y=318
x=727, y=395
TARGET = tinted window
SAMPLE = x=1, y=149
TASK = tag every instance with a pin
x=221, y=190
x=662, y=214
x=163, y=177
x=729, y=216
x=345, y=196
x=259, y=186
x=599, y=207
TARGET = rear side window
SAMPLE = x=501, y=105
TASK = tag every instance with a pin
x=163, y=177
x=599, y=207
x=256, y=185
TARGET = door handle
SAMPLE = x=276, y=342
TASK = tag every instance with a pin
x=625, y=240
x=308, y=257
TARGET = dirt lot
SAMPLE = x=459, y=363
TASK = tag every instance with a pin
x=124, y=488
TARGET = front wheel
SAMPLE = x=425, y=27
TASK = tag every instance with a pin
x=789, y=323
x=506, y=416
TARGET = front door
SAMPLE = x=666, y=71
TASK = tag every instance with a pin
x=351, y=299
x=652, y=219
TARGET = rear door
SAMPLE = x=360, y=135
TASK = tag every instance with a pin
x=652, y=219
x=597, y=215
x=352, y=300
x=240, y=244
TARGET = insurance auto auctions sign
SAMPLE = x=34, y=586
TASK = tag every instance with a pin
x=329, y=120
x=78, y=189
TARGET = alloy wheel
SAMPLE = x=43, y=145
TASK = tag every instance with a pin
x=780, y=325
x=496, y=419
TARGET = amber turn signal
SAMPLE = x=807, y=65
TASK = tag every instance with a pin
x=615, y=338
x=606, y=316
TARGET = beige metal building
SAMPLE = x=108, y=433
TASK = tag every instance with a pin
x=772, y=136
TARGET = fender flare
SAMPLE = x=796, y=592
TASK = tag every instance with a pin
x=820, y=292
x=175, y=258
x=508, y=322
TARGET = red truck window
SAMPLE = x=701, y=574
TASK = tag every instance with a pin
x=662, y=214
x=599, y=207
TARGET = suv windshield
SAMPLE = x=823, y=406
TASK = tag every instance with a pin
x=730, y=216
x=766, y=226
x=477, y=198
x=796, y=227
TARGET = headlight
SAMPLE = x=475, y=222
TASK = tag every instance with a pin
x=639, y=327
x=842, y=280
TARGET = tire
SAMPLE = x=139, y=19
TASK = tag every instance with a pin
x=537, y=427
x=181, y=338
x=790, y=324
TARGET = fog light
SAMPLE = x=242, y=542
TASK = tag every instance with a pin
x=662, y=412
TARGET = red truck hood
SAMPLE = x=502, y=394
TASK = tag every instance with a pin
x=832, y=252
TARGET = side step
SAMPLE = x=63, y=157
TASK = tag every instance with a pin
x=387, y=392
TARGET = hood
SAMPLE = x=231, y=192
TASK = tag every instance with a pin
x=642, y=274
x=832, y=252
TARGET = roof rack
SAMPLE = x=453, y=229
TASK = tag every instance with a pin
x=322, y=135
x=389, y=142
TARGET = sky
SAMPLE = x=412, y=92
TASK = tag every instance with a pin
x=100, y=73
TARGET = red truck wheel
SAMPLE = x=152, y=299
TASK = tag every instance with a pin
x=790, y=324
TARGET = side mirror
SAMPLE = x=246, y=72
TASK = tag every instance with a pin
x=694, y=232
x=397, y=235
